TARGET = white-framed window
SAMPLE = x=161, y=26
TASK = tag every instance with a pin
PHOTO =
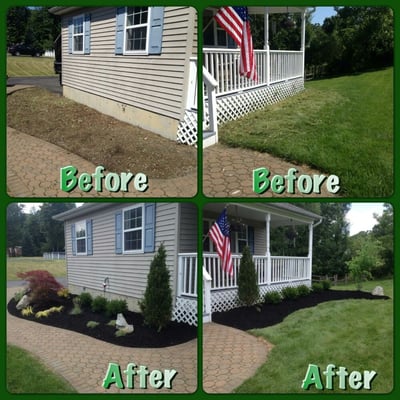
x=78, y=35
x=132, y=229
x=137, y=29
x=81, y=237
x=214, y=35
x=208, y=245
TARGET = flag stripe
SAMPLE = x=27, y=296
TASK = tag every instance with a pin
x=219, y=233
x=235, y=21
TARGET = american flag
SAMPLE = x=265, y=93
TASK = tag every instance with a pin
x=219, y=233
x=235, y=21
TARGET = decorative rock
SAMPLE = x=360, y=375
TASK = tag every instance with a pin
x=23, y=303
x=127, y=329
x=121, y=321
x=378, y=291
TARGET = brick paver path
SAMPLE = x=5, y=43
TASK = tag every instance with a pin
x=33, y=170
x=83, y=361
x=230, y=356
x=227, y=172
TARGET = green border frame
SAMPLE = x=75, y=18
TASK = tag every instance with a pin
x=200, y=200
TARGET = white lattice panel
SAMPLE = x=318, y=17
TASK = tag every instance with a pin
x=234, y=106
x=225, y=300
x=185, y=310
x=187, y=128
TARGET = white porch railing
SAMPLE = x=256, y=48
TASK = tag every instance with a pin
x=210, y=107
x=272, y=66
x=270, y=270
x=187, y=274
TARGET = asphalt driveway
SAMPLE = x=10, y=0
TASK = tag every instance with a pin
x=50, y=83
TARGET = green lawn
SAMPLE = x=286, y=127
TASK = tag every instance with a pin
x=356, y=334
x=26, y=374
x=341, y=126
x=29, y=66
x=21, y=264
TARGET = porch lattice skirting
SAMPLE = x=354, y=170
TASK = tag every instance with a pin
x=224, y=300
x=234, y=106
x=185, y=310
x=187, y=128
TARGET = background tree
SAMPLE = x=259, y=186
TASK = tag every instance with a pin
x=17, y=19
x=32, y=237
x=367, y=260
x=355, y=39
x=15, y=223
x=330, y=242
x=53, y=231
x=383, y=232
x=156, y=305
x=33, y=26
x=248, y=291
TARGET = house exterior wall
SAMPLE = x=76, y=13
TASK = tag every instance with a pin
x=127, y=273
x=148, y=90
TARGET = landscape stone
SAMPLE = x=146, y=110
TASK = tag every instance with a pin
x=378, y=291
x=23, y=303
x=121, y=321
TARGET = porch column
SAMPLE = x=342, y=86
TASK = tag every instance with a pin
x=268, y=249
x=303, y=38
x=310, y=245
x=266, y=44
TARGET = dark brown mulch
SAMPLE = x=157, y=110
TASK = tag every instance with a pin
x=143, y=336
x=264, y=315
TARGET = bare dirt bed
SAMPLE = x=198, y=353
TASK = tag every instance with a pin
x=143, y=336
x=103, y=140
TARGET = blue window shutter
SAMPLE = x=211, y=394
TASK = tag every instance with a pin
x=119, y=35
x=156, y=30
x=70, y=30
x=149, y=227
x=87, y=34
x=73, y=239
x=89, y=237
x=118, y=232
x=250, y=237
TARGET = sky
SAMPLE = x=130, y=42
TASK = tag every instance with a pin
x=321, y=13
x=360, y=216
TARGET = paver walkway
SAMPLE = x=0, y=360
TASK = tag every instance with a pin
x=230, y=356
x=83, y=361
x=227, y=172
x=33, y=170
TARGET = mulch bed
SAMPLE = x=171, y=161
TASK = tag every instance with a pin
x=143, y=336
x=264, y=315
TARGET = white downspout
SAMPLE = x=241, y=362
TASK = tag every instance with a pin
x=266, y=44
x=268, y=249
x=310, y=246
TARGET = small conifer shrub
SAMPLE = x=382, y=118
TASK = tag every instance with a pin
x=156, y=305
x=248, y=291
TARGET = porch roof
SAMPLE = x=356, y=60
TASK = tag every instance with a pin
x=80, y=211
x=281, y=213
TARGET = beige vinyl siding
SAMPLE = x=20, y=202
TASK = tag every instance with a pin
x=154, y=83
x=188, y=228
x=127, y=273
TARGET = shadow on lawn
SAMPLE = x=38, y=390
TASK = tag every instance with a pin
x=265, y=315
x=143, y=336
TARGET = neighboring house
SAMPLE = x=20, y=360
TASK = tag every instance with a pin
x=137, y=64
x=109, y=248
x=251, y=225
x=228, y=95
